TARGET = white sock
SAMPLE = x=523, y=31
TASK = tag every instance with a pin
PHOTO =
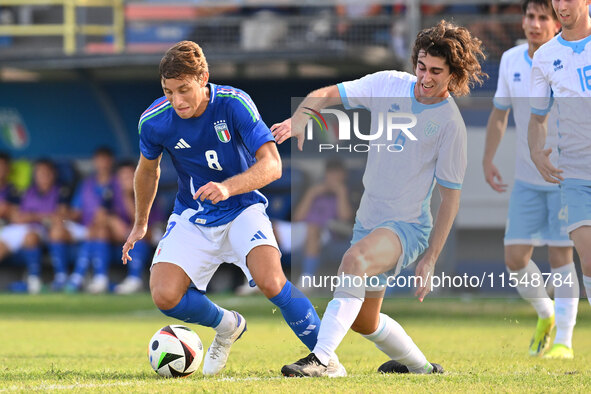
x=227, y=324
x=536, y=295
x=60, y=277
x=339, y=316
x=566, y=303
x=391, y=339
x=587, y=283
x=76, y=279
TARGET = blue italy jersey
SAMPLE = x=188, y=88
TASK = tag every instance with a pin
x=215, y=146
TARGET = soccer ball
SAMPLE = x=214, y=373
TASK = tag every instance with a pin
x=175, y=351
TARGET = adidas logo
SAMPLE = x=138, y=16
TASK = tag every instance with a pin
x=182, y=144
x=308, y=330
x=258, y=235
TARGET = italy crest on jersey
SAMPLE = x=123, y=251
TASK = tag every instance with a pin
x=221, y=129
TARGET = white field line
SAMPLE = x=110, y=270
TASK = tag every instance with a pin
x=44, y=387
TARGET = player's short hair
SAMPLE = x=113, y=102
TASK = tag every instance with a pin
x=542, y=3
x=334, y=164
x=184, y=59
x=44, y=161
x=5, y=157
x=462, y=52
x=103, y=151
x=126, y=163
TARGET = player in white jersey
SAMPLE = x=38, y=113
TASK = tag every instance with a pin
x=535, y=204
x=561, y=70
x=393, y=222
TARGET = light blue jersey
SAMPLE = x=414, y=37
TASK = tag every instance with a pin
x=535, y=208
x=398, y=185
x=513, y=93
x=218, y=144
x=562, y=69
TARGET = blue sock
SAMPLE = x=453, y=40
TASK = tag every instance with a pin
x=310, y=265
x=83, y=259
x=195, y=307
x=32, y=258
x=139, y=255
x=298, y=312
x=101, y=257
x=59, y=257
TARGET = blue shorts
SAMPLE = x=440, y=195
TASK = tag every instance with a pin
x=576, y=195
x=413, y=237
x=536, y=216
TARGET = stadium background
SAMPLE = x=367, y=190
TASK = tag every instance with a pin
x=75, y=75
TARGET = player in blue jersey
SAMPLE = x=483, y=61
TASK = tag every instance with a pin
x=535, y=204
x=561, y=71
x=393, y=222
x=223, y=152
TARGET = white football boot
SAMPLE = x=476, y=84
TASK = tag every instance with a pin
x=130, y=285
x=310, y=366
x=34, y=284
x=217, y=354
x=98, y=285
x=335, y=369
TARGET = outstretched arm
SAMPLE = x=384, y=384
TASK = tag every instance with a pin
x=450, y=204
x=295, y=126
x=495, y=129
x=536, y=139
x=145, y=182
x=266, y=170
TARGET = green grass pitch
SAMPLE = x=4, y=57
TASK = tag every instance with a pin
x=99, y=344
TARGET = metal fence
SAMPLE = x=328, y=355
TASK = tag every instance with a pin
x=323, y=30
x=69, y=28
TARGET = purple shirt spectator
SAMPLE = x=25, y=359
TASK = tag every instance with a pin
x=90, y=196
x=323, y=210
x=34, y=201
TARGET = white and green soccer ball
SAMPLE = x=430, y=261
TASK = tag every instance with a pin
x=175, y=351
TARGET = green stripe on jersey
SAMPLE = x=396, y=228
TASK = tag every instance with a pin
x=151, y=116
x=254, y=118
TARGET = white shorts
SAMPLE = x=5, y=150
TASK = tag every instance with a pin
x=13, y=235
x=78, y=231
x=199, y=250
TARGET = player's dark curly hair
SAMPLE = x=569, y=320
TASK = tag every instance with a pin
x=184, y=59
x=462, y=52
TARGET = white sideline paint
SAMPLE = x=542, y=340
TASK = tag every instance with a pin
x=44, y=387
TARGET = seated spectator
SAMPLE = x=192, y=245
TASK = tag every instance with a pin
x=41, y=206
x=120, y=226
x=96, y=198
x=8, y=194
x=322, y=204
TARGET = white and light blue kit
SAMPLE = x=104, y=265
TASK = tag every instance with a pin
x=562, y=69
x=398, y=185
x=220, y=143
x=535, y=208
